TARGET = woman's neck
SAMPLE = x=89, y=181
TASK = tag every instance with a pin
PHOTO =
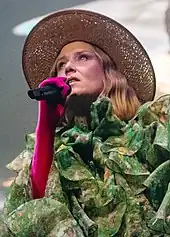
x=79, y=105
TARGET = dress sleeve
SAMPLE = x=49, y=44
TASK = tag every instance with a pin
x=19, y=191
x=25, y=216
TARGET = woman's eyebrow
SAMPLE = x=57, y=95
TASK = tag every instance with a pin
x=60, y=58
x=83, y=51
x=76, y=53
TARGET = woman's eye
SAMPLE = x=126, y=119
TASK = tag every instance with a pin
x=60, y=65
x=83, y=57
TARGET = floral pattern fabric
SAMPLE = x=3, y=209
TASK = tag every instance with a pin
x=109, y=179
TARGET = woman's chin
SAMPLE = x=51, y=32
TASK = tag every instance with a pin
x=75, y=92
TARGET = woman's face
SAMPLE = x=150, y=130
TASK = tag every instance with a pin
x=78, y=62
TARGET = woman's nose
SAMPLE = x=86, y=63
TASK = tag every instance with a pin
x=69, y=68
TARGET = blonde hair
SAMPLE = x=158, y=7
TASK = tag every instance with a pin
x=123, y=97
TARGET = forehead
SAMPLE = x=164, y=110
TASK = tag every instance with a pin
x=74, y=47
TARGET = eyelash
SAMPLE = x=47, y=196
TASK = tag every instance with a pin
x=61, y=64
x=83, y=56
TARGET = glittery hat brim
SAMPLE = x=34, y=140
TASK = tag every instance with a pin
x=58, y=29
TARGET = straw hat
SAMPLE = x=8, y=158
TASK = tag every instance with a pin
x=47, y=38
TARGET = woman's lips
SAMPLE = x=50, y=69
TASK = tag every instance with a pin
x=72, y=80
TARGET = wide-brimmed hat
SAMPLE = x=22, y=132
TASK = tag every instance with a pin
x=48, y=37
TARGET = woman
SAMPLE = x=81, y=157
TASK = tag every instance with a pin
x=100, y=163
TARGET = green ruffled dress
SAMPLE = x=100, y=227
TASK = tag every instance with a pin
x=111, y=179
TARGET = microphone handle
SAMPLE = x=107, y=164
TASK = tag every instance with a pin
x=51, y=93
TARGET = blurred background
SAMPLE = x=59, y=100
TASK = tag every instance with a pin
x=148, y=20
